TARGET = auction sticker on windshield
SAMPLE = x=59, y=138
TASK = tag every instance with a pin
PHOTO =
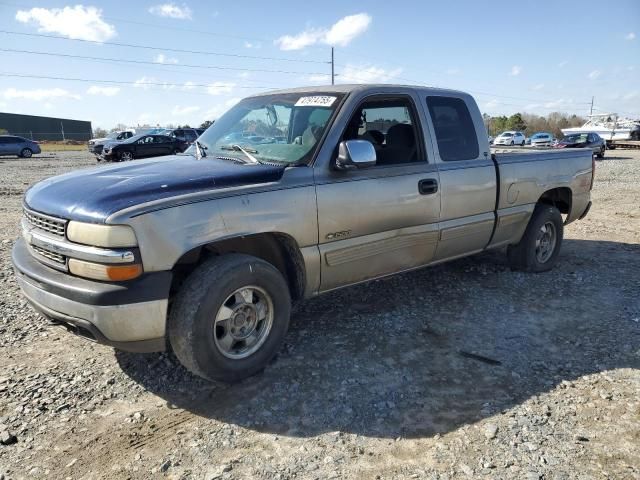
x=315, y=101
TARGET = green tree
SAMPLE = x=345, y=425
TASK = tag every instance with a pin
x=206, y=123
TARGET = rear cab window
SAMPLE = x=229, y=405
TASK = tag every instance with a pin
x=455, y=133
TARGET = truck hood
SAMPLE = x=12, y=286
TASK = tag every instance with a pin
x=92, y=195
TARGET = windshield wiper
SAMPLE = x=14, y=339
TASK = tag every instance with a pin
x=246, y=151
x=201, y=150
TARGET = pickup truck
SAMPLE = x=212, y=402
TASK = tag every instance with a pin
x=204, y=252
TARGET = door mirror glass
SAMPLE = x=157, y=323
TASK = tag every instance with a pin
x=355, y=154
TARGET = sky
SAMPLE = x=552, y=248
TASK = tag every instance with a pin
x=159, y=62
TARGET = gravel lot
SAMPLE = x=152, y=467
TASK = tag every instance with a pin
x=464, y=370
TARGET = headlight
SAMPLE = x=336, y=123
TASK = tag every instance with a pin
x=101, y=235
x=98, y=271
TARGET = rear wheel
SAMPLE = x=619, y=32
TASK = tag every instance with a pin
x=522, y=144
x=26, y=153
x=600, y=154
x=511, y=143
x=540, y=245
x=230, y=317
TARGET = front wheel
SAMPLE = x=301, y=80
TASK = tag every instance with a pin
x=230, y=317
x=522, y=144
x=540, y=245
x=126, y=156
x=600, y=154
x=26, y=153
x=511, y=143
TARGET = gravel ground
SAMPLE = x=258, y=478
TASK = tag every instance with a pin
x=464, y=370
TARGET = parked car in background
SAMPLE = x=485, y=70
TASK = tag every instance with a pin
x=584, y=140
x=511, y=137
x=95, y=145
x=188, y=135
x=491, y=140
x=141, y=146
x=19, y=146
x=541, y=139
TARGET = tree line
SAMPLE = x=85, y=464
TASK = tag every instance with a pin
x=530, y=123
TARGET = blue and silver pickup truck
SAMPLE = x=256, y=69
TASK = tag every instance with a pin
x=288, y=195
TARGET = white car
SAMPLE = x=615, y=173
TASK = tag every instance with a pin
x=542, y=139
x=510, y=138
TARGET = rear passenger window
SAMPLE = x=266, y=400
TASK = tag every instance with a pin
x=455, y=133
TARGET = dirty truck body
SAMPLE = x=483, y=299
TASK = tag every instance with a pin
x=333, y=186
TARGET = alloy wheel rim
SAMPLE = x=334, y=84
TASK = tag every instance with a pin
x=546, y=242
x=26, y=153
x=126, y=156
x=243, y=322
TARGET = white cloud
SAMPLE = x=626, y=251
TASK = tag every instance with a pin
x=562, y=64
x=38, y=94
x=346, y=29
x=366, y=74
x=560, y=103
x=452, y=71
x=515, y=70
x=171, y=10
x=162, y=58
x=630, y=36
x=595, y=74
x=319, y=79
x=632, y=95
x=220, y=88
x=144, y=82
x=77, y=22
x=339, y=34
x=189, y=85
x=255, y=45
x=214, y=112
x=491, y=104
x=106, y=91
x=539, y=86
x=179, y=111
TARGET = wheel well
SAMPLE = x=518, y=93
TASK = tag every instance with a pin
x=560, y=198
x=279, y=249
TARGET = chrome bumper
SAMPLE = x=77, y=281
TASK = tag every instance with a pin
x=129, y=317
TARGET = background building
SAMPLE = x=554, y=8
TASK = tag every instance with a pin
x=45, y=128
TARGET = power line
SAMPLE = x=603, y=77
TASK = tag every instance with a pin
x=164, y=49
x=163, y=27
x=142, y=62
x=136, y=83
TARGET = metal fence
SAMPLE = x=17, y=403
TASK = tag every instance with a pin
x=45, y=128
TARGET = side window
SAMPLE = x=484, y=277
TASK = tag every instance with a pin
x=455, y=133
x=190, y=135
x=389, y=123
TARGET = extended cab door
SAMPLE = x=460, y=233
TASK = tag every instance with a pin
x=382, y=219
x=467, y=175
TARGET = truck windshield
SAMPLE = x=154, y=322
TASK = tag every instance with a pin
x=281, y=128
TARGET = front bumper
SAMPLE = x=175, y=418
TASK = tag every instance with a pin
x=129, y=316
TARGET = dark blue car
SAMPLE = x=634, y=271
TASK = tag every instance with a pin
x=22, y=147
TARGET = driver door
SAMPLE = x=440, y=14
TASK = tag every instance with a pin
x=383, y=219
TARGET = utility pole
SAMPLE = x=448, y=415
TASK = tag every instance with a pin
x=332, y=69
x=591, y=111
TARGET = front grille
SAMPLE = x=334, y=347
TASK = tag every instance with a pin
x=46, y=223
x=48, y=254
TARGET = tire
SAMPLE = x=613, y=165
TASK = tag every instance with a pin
x=522, y=144
x=600, y=154
x=126, y=156
x=25, y=153
x=203, y=339
x=529, y=254
x=511, y=143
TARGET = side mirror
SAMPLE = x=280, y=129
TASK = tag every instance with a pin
x=355, y=154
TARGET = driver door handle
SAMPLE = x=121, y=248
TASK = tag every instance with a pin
x=428, y=186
